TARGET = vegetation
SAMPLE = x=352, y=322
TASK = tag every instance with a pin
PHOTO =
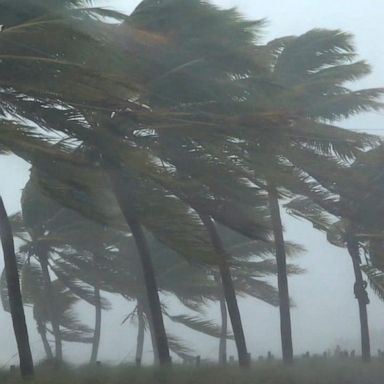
x=163, y=146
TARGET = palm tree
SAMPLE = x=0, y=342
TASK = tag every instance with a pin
x=229, y=292
x=141, y=243
x=282, y=276
x=15, y=299
x=246, y=269
x=202, y=107
x=33, y=212
x=360, y=292
x=63, y=229
x=295, y=104
x=59, y=232
x=110, y=163
x=34, y=288
x=98, y=310
x=8, y=19
x=342, y=233
x=305, y=86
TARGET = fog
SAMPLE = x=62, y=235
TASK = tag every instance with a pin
x=325, y=313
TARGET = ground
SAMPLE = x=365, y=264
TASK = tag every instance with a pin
x=312, y=371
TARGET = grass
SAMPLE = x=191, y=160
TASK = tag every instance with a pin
x=314, y=371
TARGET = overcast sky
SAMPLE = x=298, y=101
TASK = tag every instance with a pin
x=326, y=312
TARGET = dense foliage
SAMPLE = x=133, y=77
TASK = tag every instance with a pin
x=163, y=146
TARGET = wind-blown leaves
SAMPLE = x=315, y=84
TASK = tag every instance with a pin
x=177, y=346
x=200, y=325
x=376, y=280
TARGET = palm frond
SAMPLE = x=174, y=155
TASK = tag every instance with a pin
x=200, y=325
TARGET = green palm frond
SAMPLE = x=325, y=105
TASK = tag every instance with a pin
x=200, y=325
x=177, y=346
x=257, y=288
x=313, y=51
x=82, y=291
x=32, y=284
x=376, y=280
x=304, y=208
x=3, y=283
x=336, y=234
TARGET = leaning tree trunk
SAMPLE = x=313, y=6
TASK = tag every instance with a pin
x=282, y=277
x=98, y=309
x=43, y=334
x=224, y=322
x=223, y=333
x=97, y=331
x=153, y=338
x=126, y=201
x=229, y=292
x=14, y=294
x=140, y=333
x=153, y=299
x=42, y=254
x=361, y=296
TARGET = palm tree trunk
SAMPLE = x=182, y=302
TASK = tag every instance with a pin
x=282, y=278
x=140, y=333
x=43, y=334
x=152, y=293
x=14, y=294
x=148, y=272
x=125, y=200
x=153, y=339
x=224, y=331
x=361, y=296
x=229, y=292
x=51, y=303
x=97, y=331
x=224, y=323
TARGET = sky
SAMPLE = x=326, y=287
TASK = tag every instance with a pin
x=325, y=312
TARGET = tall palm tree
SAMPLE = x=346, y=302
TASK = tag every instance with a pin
x=229, y=292
x=63, y=229
x=136, y=230
x=116, y=176
x=306, y=86
x=215, y=80
x=11, y=16
x=298, y=95
x=33, y=212
x=14, y=294
x=247, y=266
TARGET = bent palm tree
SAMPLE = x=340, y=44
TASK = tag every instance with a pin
x=14, y=294
x=342, y=234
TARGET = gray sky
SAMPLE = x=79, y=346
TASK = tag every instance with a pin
x=326, y=312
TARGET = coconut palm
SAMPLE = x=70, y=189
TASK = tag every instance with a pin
x=306, y=82
x=151, y=285
x=10, y=17
x=33, y=292
x=110, y=162
x=34, y=231
x=14, y=293
x=291, y=102
x=222, y=92
x=72, y=239
x=342, y=194
x=183, y=280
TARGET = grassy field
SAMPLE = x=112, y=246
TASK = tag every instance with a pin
x=303, y=372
